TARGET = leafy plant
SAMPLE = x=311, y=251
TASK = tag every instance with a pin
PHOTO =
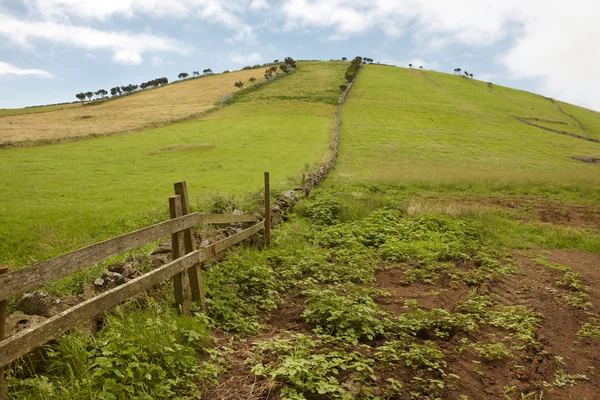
x=351, y=316
x=313, y=366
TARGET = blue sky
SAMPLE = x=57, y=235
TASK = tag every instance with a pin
x=52, y=49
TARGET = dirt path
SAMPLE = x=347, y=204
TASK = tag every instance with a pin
x=560, y=109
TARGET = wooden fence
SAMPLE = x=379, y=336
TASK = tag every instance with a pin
x=185, y=267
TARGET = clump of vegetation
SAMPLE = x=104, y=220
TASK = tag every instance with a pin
x=240, y=291
x=578, y=296
x=353, y=68
x=313, y=366
x=562, y=379
x=590, y=330
x=351, y=316
x=145, y=354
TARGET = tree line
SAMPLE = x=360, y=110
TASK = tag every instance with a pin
x=288, y=65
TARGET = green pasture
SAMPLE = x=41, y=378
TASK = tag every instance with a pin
x=61, y=197
x=441, y=131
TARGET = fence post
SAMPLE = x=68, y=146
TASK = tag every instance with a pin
x=194, y=273
x=3, y=270
x=267, y=234
x=182, y=295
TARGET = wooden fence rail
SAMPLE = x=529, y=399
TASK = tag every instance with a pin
x=27, y=340
x=41, y=274
x=185, y=264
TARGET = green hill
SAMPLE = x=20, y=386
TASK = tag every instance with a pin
x=408, y=126
x=453, y=253
x=60, y=197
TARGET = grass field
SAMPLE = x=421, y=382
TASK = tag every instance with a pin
x=60, y=197
x=37, y=109
x=412, y=127
x=454, y=252
x=139, y=110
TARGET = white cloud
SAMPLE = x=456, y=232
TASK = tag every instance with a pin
x=227, y=13
x=127, y=48
x=552, y=41
x=7, y=69
x=127, y=57
x=246, y=59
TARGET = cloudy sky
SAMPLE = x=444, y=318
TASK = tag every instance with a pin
x=52, y=49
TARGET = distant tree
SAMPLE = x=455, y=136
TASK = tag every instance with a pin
x=101, y=93
x=183, y=75
x=246, y=67
x=290, y=62
x=471, y=75
x=466, y=74
x=275, y=61
x=421, y=67
x=252, y=79
x=81, y=96
x=226, y=71
x=344, y=59
x=489, y=84
x=116, y=91
x=239, y=84
x=409, y=65
x=89, y=95
x=458, y=71
x=207, y=71
x=196, y=73
x=256, y=66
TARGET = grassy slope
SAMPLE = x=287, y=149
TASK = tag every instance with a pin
x=37, y=109
x=142, y=109
x=57, y=198
x=426, y=128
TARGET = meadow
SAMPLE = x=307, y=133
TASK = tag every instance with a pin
x=430, y=129
x=453, y=253
x=60, y=197
x=143, y=109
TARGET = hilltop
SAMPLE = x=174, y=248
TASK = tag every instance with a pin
x=142, y=109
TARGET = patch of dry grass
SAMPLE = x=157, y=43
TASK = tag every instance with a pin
x=143, y=109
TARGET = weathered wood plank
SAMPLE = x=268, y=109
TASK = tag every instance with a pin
x=28, y=339
x=35, y=276
x=194, y=273
x=25, y=341
x=225, y=218
x=38, y=275
x=180, y=280
x=3, y=270
x=224, y=244
x=267, y=234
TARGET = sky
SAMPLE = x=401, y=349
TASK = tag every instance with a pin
x=51, y=50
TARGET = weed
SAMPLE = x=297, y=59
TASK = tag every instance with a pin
x=306, y=365
x=590, y=330
x=562, y=379
x=143, y=354
x=350, y=316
